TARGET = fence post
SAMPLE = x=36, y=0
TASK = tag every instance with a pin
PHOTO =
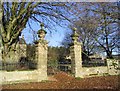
x=42, y=47
x=76, y=56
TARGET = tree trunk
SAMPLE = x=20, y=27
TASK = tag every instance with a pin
x=1, y=45
x=109, y=54
x=10, y=55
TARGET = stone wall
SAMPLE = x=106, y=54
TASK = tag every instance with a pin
x=27, y=76
x=94, y=71
x=21, y=76
x=112, y=68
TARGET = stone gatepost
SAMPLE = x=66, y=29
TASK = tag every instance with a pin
x=76, y=56
x=41, y=55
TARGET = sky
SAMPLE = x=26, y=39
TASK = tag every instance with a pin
x=54, y=38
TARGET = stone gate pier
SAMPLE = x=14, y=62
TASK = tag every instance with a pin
x=37, y=75
x=41, y=54
x=112, y=67
x=76, y=56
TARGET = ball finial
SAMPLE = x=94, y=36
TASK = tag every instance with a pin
x=42, y=25
x=74, y=29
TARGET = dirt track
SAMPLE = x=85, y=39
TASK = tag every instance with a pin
x=64, y=81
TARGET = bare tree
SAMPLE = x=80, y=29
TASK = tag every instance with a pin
x=108, y=27
x=87, y=26
x=97, y=25
x=67, y=40
x=15, y=16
